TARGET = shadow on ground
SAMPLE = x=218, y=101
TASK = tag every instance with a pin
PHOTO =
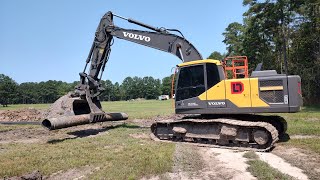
x=284, y=138
x=91, y=132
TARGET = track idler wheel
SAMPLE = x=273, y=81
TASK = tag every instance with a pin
x=261, y=137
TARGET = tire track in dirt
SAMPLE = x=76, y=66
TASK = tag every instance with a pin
x=231, y=163
x=281, y=165
x=194, y=162
x=304, y=159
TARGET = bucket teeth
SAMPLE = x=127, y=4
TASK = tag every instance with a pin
x=96, y=117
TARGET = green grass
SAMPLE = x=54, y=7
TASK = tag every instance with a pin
x=312, y=144
x=303, y=127
x=262, y=170
x=140, y=109
x=21, y=106
x=305, y=122
x=250, y=155
x=310, y=113
x=118, y=155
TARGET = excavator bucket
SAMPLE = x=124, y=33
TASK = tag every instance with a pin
x=70, y=111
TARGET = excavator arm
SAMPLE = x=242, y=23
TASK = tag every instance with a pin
x=162, y=39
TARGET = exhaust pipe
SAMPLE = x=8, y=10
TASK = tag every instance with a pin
x=69, y=121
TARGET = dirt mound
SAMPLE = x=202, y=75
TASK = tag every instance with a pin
x=26, y=114
x=61, y=107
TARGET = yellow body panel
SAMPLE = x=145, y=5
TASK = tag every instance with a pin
x=248, y=95
x=217, y=62
x=217, y=92
x=256, y=101
x=242, y=99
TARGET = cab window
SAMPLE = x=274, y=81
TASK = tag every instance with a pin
x=212, y=75
x=191, y=82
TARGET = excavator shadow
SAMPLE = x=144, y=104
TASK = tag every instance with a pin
x=91, y=132
x=284, y=138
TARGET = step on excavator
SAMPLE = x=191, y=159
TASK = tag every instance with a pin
x=221, y=104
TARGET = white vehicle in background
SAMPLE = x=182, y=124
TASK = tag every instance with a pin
x=163, y=97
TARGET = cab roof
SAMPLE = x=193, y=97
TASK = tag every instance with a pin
x=217, y=62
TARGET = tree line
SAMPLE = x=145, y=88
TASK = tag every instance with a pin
x=49, y=91
x=276, y=31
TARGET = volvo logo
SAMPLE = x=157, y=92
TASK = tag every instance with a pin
x=136, y=36
x=216, y=103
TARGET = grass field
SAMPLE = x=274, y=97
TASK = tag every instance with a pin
x=135, y=109
x=117, y=155
x=306, y=122
x=21, y=106
x=140, y=109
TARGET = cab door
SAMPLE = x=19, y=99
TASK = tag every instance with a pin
x=216, y=91
x=191, y=84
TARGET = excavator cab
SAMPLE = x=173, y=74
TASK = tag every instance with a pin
x=194, y=79
x=215, y=87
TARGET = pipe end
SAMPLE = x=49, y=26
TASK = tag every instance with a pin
x=47, y=124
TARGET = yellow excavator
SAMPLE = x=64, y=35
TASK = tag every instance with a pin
x=220, y=100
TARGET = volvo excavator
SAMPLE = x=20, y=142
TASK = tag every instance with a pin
x=219, y=101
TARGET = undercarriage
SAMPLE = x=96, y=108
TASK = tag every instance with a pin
x=242, y=132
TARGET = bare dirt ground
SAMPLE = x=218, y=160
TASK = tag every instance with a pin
x=74, y=174
x=301, y=158
x=42, y=135
x=27, y=114
x=210, y=163
x=63, y=106
x=283, y=166
x=190, y=161
x=215, y=163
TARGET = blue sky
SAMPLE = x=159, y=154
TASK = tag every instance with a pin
x=50, y=40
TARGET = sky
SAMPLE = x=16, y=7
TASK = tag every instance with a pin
x=50, y=40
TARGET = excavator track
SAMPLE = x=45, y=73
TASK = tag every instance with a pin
x=221, y=132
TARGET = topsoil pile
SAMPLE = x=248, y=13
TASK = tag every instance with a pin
x=61, y=107
x=27, y=114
